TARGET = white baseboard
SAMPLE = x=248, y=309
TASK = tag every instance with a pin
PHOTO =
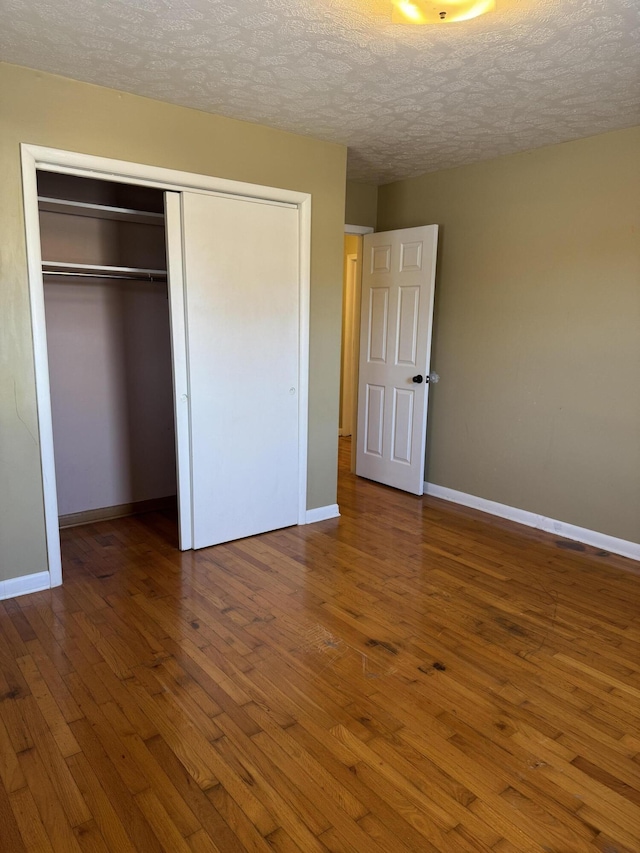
x=540, y=522
x=322, y=513
x=27, y=583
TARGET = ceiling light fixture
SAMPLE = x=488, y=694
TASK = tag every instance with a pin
x=438, y=11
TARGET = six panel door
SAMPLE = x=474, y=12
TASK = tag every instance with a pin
x=398, y=282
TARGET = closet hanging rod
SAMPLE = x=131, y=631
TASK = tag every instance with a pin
x=109, y=276
x=102, y=271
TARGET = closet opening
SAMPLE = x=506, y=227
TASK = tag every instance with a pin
x=104, y=267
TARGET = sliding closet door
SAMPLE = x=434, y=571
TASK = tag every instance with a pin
x=241, y=282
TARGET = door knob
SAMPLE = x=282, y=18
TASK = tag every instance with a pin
x=417, y=379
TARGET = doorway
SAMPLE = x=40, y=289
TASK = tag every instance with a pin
x=108, y=346
x=350, y=349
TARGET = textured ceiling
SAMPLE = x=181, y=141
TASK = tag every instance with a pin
x=405, y=100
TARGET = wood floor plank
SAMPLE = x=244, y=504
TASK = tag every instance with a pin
x=195, y=798
x=33, y=835
x=169, y=798
x=46, y=754
x=48, y=707
x=167, y=833
x=301, y=766
x=250, y=836
x=11, y=775
x=405, y=822
x=55, y=820
x=120, y=799
x=202, y=842
x=90, y=838
x=10, y=835
x=413, y=676
x=301, y=819
x=99, y=804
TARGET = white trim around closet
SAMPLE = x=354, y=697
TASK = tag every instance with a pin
x=35, y=157
x=13, y=587
x=41, y=363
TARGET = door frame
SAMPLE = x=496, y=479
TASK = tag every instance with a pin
x=349, y=360
x=360, y=231
x=34, y=157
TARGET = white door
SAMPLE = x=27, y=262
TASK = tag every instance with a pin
x=242, y=292
x=398, y=283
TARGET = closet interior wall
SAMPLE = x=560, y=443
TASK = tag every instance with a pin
x=109, y=348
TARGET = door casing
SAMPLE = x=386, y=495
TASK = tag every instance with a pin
x=349, y=352
x=360, y=231
x=34, y=157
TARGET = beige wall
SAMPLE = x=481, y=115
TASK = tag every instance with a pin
x=361, y=204
x=46, y=110
x=537, y=334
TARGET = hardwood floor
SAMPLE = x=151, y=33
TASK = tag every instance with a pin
x=409, y=677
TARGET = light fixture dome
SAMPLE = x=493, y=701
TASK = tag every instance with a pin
x=438, y=11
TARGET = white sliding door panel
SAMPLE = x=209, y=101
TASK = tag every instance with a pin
x=398, y=283
x=242, y=281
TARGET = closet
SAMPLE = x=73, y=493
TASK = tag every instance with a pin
x=109, y=346
x=170, y=316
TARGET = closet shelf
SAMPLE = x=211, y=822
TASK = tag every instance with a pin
x=99, y=211
x=100, y=271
